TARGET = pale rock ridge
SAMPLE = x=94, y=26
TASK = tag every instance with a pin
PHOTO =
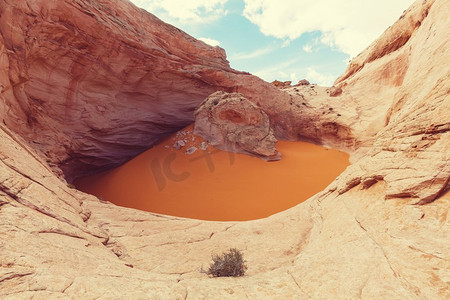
x=392, y=39
x=319, y=118
x=229, y=121
x=359, y=244
x=347, y=242
x=396, y=103
x=410, y=96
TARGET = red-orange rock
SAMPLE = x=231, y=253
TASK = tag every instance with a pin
x=335, y=91
x=281, y=84
x=92, y=82
x=231, y=122
x=303, y=82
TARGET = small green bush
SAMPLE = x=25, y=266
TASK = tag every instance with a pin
x=229, y=264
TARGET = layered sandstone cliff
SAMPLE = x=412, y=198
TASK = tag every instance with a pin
x=65, y=83
x=93, y=83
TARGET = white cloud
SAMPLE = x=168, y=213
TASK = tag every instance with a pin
x=307, y=48
x=311, y=46
x=189, y=11
x=286, y=43
x=349, y=25
x=209, y=41
x=322, y=79
x=294, y=78
x=277, y=71
x=253, y=54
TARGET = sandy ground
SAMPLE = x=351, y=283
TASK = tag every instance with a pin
x=217, y=185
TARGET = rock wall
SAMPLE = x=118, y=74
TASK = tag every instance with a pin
x=92, y=83
x=395, y=99
x=403, y=81
x=363, y=237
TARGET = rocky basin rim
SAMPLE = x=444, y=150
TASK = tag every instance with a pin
x=86, y=85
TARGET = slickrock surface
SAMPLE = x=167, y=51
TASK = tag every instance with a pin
x=231, y=122
x=410, y=96
x=362, y=237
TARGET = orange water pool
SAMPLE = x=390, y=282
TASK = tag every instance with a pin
x=217, y=185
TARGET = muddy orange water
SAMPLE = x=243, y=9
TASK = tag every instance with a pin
x=217, y=185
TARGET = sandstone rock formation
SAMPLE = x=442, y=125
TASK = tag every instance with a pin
x=231, y=122
x=93, y=83
x=281, y=84
x=411, y=87
x=90, y=84
x=335, y=91
x=303, y=82
x=362, y=237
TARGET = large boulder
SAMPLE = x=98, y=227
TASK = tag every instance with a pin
x=231, y=122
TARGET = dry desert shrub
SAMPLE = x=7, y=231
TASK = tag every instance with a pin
x=228, y=264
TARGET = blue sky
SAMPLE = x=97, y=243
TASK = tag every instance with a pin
x=283, y=39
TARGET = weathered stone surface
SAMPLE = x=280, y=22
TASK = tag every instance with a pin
x=93, y=83
x=359, y=244
x=281, y=84
x=231, y=122
x=319, y=119
x=408, y=97
x=400, y=127
x=303, y=82
x=362, y=237
x=335, y=91
x=90, y=84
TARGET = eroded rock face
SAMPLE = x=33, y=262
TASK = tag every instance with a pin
x=91, y=84
x=303, y=82
x=363, y=235
x=409, y=98
x=394, y=38
x=231, y=122
x=396, y=104
x=335, y=91
x=281, y=84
